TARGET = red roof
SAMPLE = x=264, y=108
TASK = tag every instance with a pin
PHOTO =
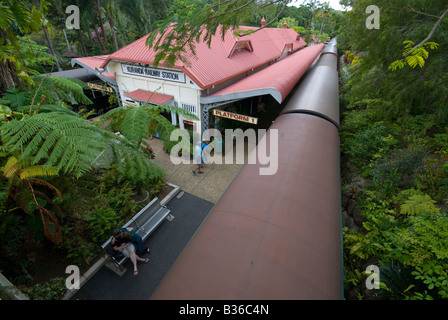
x=220, y=62
x=148, y=96
x=278, y=79
x=95, y=62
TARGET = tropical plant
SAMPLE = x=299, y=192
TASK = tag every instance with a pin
x=42, y=140
x=32, y=193
x=413, y=56
x=53, y=289
x=137, y=122
x=16, y=17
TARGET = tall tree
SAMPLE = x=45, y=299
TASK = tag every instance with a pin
x=409, y=90
x=16, y=17
x=96, y=5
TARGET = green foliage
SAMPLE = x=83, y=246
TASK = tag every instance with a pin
x=394, y=169
x=413, y=57
x=101, y=222
x=395, y=281
x=435, y=277
x=115, y=192
x=69, y=144
x=54, y=289
x=370, y=144
x=418, y=203
x=393, y=134
x=80, y=250
x=416, y=237
x=33, y=55
x=411, y=91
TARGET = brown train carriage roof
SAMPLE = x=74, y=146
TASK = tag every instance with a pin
x=319, y=92
x=273, y=236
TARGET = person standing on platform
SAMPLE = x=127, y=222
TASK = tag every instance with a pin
x=197, y=158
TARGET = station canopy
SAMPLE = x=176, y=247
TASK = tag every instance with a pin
x=149, y=96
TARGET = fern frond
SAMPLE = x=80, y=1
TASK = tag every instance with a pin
x=47, y=108
x=135, y=124
x=37, y=171
x=131, y=161
x=115, y=114
x=417, y=204
x=69, y=90
x=44, y=183
x=166, y=108
x=10, y=168
x=73, y=88
x=67, y=143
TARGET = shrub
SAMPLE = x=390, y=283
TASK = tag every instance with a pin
x=53, y=289
x=370, y=144
x=395, y=170
x=101, y=223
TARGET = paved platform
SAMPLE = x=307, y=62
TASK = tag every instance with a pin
x=211, y=184
x=166, y=243
x=190, y=207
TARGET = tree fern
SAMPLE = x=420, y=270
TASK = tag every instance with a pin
x=22, y=180
x=131, y=161
x=58, y=89
x=136, y=122
x=69, y=144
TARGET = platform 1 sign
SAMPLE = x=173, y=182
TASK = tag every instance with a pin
x=234, y=116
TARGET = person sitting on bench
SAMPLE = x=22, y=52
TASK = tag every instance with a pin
x=130, y=243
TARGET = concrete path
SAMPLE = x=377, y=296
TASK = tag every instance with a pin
x=211, y=184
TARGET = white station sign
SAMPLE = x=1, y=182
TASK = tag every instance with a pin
x=161, y=74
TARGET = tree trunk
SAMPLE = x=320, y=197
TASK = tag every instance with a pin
x=8, y=72
x=68, y=44
x=100, y=41
x=112, y=29
x=53, y=53
x=98, y=10
x=138, y=187
x=83, y=45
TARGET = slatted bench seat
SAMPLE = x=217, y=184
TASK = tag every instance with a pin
x=144, y=223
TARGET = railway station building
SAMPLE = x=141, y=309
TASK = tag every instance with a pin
x=268, y=62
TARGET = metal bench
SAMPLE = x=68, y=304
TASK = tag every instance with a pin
x=144, y=223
